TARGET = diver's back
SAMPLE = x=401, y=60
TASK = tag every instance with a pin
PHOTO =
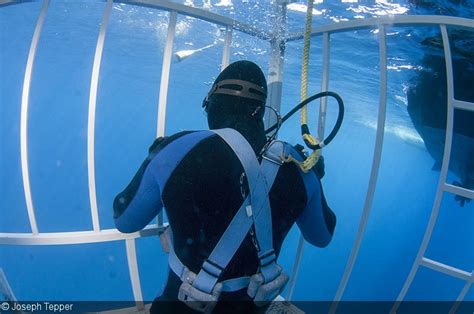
x=205, y=191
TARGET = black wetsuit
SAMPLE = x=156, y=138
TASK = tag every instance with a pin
x=201, y=197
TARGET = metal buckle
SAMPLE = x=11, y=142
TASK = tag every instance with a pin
x=279, y=162
x=267, y=258
x=194, y=298
x=212, y=268
x=198, y=300
x=264, y=292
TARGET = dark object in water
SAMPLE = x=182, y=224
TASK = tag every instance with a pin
x=427, y=107
x=461, y=42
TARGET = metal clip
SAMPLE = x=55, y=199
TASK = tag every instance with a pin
x=248, y=210
x=196, y=299
x=279, y=162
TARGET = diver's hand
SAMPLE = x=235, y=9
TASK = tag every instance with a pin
x=301, y=150
x=319, y=167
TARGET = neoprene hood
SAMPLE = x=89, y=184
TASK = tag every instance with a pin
x=240, y=90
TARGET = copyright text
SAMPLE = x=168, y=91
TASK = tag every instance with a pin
x=37, y=306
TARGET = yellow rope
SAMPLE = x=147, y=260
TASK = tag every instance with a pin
x=304, y=71
x=306, y=165
x=309, y=163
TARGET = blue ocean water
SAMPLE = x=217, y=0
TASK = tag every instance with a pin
x=126, y=125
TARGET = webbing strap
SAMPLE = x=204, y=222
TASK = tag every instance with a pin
x=235, y=232
x=271, y=162
x=224, y=250
x=244, y=153
x=259, y=213
x=255, y=209
x=180, y=270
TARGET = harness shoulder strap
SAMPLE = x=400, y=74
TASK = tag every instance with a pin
x=254, y=210
x=235, y=233
x=271, y=163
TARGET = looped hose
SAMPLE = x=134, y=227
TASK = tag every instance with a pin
x=315, y=145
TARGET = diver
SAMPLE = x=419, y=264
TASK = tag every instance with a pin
x=230, y=202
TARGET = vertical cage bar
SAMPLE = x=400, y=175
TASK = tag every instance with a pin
x=276, y=63
x=373, y=173
x=296, y=268
x=24, y=118
x=165, y=74
x=134, y=276
x=91, y=119
x=461, y=296
x=226, y=51
x=324, y=87
x=5, y=289
x=321, y=125
x=275, y=82
x=443, y=173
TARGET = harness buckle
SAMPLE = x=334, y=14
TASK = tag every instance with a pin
x=196, y=299
x=273, y=159
x=264, y=292
x=275, y=153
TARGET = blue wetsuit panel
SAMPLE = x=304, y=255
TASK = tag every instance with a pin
x=146, y=202
x=166, y=161
x=311, y=221
x=145, y=205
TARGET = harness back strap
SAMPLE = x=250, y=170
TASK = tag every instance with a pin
x=180, y=270
x=258, y=213
x=253, y=210
x=271, y=162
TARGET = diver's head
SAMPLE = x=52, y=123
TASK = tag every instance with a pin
x=237, y=97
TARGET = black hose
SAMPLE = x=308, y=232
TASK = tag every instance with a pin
x=304, y=127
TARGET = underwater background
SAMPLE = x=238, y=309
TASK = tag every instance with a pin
x=126, y=126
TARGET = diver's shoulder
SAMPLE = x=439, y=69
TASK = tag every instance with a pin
x=193, y=139
x=163, y=141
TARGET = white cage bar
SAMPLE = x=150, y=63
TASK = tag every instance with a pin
x=324, y=86
x=373, y=172
x=226, y=53
x=134, y=277
x=25, y=98
x=421, y=260
x=91, y=118
x=277, y=43
x=165, y=74
x=97, y=235
x=5, y=289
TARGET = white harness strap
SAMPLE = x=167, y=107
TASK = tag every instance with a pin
x=254, y=210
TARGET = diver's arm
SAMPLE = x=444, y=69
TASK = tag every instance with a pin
x=134, y=214
x=140, y=202
x=317, y=221
x=136, y=205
